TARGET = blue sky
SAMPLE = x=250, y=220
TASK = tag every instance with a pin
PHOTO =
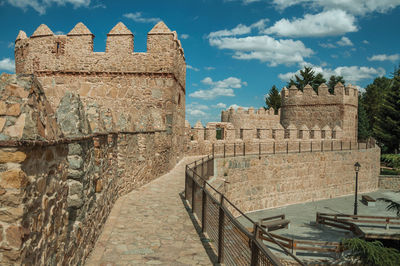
x=235, y=49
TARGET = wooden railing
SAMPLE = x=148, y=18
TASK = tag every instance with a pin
x=349, y=222
x=305, y=245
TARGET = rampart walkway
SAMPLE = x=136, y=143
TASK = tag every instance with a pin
x=151, y=226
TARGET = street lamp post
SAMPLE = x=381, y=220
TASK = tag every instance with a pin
x=356, y=168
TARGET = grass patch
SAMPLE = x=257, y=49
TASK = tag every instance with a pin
x=386, y=171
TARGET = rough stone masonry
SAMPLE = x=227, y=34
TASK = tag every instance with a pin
x=78, y=129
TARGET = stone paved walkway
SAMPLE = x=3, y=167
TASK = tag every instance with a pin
x=151, y=226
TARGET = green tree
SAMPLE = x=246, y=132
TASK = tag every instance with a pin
x=333, y=80
x=373, y=97
x=372, y=253
x=387, y=124
x=364, y=131
x=307, y=76
x=273, y=99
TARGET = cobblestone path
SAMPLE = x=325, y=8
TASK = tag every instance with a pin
x=151, y=226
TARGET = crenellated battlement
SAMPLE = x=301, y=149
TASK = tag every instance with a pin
x=290, y=133
x=45, y=52
x=342, y=95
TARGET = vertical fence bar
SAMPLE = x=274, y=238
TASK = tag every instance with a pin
x=311, y=147
x=203, y=208
x=287, y=147
x=332, y=145
x=202, y=167
x=234, y=149
x=254, y=248
x=350, y=144
x=224, y=150
x=341, y=145
x=322, y=145
x=213, y=149
x=259, y=150
x=274, y=147
x=299, y=146
x=221, y=231
x=193, y=191
x=244, y=149
x=186, y=181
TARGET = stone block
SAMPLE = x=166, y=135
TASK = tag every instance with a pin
x=14, y=178
x=14, y=236
x=13, y=109
x=75, y=162
x=12, y=157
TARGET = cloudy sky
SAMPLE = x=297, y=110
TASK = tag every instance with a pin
x=235, y=49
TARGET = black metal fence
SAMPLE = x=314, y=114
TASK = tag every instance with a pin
x=264, y=148
x=232, y=242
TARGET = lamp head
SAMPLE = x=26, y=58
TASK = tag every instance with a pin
x=357, y=166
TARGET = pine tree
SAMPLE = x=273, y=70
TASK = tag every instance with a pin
x=273, y=99
x=363, y=125
x=373, y=98
x=333, y=80
x=307, y=76
x=387, y=126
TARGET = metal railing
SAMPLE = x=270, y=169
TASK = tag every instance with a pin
x=263, y=148
x=233, y=243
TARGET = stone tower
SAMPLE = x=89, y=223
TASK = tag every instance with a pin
x=322, y=109
x=144, y=91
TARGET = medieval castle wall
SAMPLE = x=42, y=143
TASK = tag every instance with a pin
x=304, y=117
x=78, y=129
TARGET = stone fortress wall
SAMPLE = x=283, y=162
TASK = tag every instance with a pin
x=304, y=117
x=80, y=128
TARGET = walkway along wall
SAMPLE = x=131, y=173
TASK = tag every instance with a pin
x=275, y=180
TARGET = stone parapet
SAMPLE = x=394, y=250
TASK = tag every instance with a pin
x=389, y=182
x=276, y=180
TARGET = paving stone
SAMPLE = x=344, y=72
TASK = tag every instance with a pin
x=151, y=226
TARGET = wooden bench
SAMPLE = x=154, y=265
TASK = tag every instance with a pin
x=369, y=201
x=274, y=223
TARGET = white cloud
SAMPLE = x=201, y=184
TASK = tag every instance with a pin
x=137, y=17
x=327, y=23
x=59, y=32
x=365, y=42
x=7, y=64
x=192, y=68
x=218, y=88
x=41, y=5
x=209, y=68
x=344, y=41
x=235, y=106
x=219, y=105
x=246, y=2
x=351, y=74
x=384, y=57
x=327, y=45
x=239, y=29
x=265, y=49
x=184, y=36
x=197, y=110
x=357, y=7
